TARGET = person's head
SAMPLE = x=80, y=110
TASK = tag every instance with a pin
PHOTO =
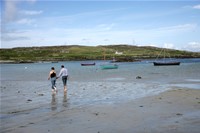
x=52, y=68
x=62, y=66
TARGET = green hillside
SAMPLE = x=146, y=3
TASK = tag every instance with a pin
x=75, y=52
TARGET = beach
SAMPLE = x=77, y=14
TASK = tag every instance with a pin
x=164, y=100
x=174, y=111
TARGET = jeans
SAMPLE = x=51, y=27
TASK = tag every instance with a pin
x=53, y=82
x=64, y=79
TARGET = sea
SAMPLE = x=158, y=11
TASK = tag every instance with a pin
x=25, y=87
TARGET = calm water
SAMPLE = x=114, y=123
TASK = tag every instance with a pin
x=23, y=84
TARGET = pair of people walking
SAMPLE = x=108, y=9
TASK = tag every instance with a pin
x=52, y=75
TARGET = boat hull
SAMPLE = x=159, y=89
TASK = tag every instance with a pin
x=165, y=63
x=87, y=64
x=109, y=66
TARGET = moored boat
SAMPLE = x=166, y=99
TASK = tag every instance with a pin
x=54, y=62
x=113, y=60
x=88, y=64
x=109, y=66
x=166, y=63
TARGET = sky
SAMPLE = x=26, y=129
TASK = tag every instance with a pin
x=161, y=23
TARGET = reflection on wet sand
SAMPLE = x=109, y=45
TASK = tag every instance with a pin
x=65, y=103
x=54, y=102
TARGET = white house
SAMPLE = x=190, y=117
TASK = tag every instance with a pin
x=118, y=53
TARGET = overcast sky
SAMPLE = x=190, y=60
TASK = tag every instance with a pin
x=144, y=23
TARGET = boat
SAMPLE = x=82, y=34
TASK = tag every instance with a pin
x=113, y=60
x=88, y=64
x=109, y=66
x=165, y=62
x=54, y=62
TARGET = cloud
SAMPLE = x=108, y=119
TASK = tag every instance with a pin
x=10, y=10
x=193, y=46
x=13, y=38
x=31, y=12
x=178, y=27
x=168, y=45
x=105, y=26
x=32, y=1
x=196, y=6
x=25, y=21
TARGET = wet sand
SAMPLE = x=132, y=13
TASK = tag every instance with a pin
x=173, y=111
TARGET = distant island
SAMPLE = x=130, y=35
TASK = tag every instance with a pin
x=121, y=53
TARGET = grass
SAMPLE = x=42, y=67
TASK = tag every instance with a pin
x=76, y=52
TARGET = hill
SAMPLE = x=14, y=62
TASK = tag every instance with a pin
x=76, y=52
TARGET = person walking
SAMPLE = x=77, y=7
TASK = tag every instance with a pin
x=52, y=76
x=64, y=74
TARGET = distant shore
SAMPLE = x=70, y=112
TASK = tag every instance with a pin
x=56, y=61
x=14, y=62
x=119, y=53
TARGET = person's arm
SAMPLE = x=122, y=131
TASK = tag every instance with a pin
x=49, y=75
x=59, y=74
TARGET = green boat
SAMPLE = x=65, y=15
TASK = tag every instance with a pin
x=109, y=66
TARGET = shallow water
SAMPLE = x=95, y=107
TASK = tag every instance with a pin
x=25, y=86
x=26, y=92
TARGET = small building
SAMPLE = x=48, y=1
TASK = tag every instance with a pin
x=118, y=53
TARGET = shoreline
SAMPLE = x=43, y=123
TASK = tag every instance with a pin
x=176, y=110
x=56, y=61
